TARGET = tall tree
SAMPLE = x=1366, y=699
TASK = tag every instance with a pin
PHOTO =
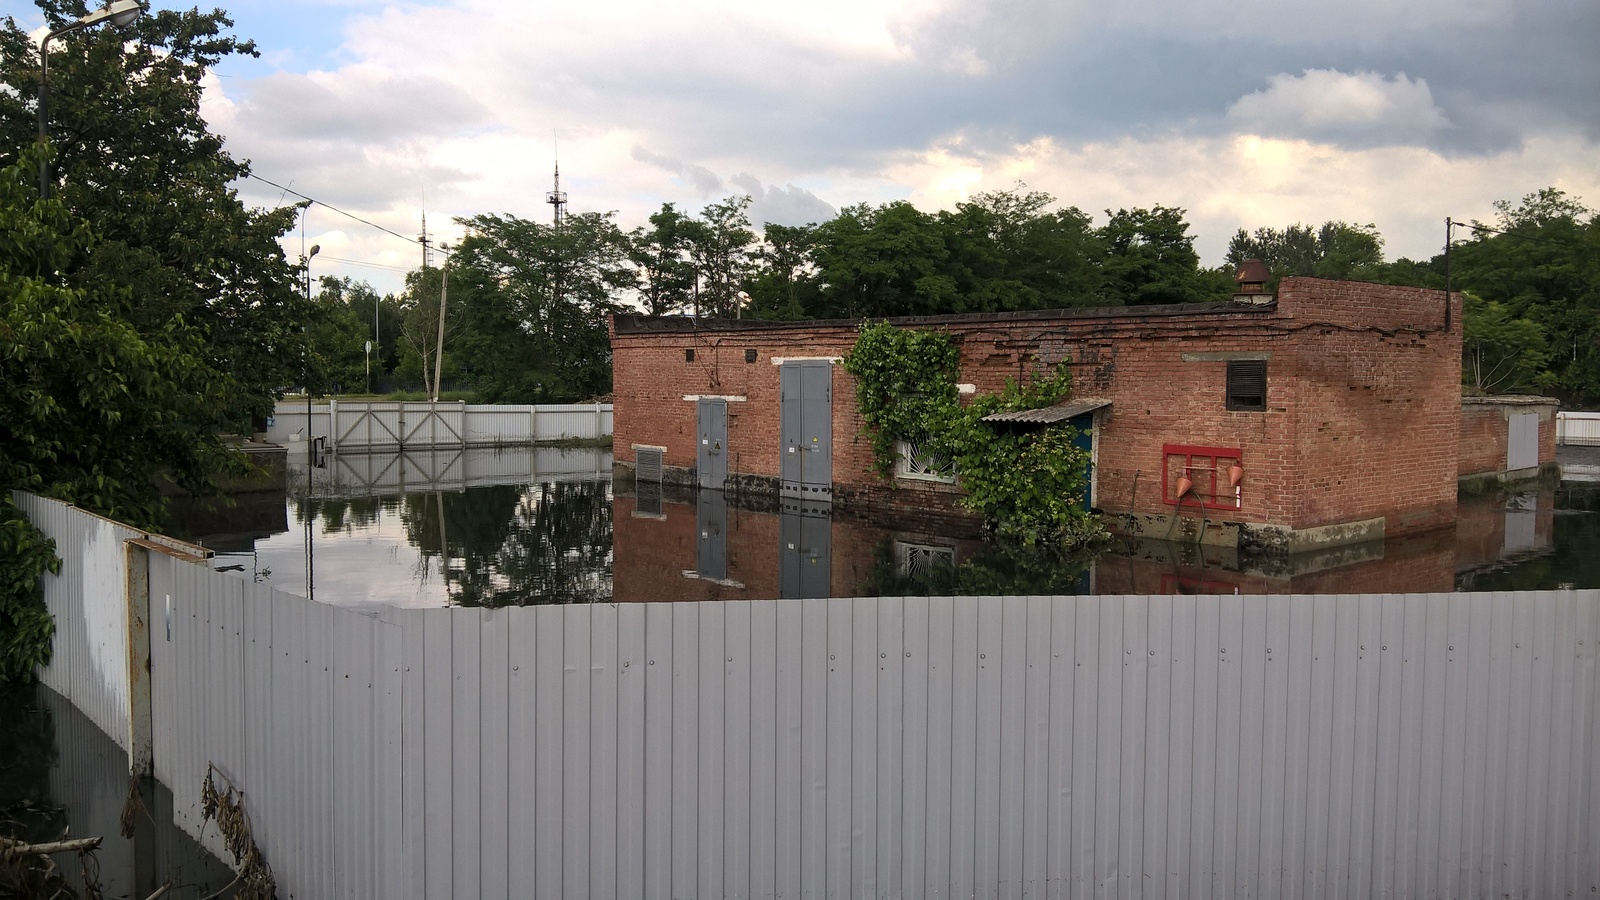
x=784, y=282
x=1334, y=250
x=534, y=300
x=719, y=243
x=134, y=156
x=883, y=260
x=1008, y=251
x=660, y=257
x=1149, y=257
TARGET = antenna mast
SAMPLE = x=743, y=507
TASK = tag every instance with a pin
x=557, y=197
x=427, y=245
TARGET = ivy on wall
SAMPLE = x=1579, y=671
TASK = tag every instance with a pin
x=1028, y=484
x=25, y=624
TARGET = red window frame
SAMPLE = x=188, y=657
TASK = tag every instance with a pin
x=1207, y=478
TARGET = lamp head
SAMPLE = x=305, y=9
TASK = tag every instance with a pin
x=120, y=13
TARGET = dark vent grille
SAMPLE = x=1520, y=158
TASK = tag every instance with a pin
x=649, y=468
x=1247, y=384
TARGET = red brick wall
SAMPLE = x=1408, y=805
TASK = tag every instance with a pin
x=1363, y=399
x=1378, y=406
x=1485, y=429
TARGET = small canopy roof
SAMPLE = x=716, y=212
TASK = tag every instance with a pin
x=1050, y=414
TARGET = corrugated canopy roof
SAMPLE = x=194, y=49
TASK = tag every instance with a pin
x=1050, y=414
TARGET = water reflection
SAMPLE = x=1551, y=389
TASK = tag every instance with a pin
x=515, y=527
x=62, y=776
x=470, y=528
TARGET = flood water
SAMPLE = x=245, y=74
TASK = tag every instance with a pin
x=494, y=528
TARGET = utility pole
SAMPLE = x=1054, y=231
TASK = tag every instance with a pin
x=438, y=356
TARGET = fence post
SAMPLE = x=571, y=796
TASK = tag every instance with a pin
x=597, y=421
x=141, y=742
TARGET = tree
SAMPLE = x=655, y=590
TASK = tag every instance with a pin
x=348, y=314
x=1501, y=354
x=1149, y=257
x=719, y=245
x=420, y=303
x=666, y=277
x=1006, y=252
x=1542, y=264
x=784, y=282
x=534, y=300
x=1336, y=250
x=883, y=260
x=92, y=412
x=134, y=156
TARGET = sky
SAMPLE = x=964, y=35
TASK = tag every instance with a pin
x=1246, y=113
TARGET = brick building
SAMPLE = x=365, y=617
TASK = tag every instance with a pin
x=1327, y=415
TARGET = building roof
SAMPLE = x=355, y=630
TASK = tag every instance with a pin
x=634, y=323
x=1050, y=414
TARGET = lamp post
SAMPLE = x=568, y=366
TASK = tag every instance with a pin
x=119, y=13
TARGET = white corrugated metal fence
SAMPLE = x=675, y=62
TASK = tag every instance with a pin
x=1199, y=746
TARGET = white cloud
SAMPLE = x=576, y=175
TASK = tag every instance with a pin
x=1360, y=109
x=808, y=106
x=1233, y=182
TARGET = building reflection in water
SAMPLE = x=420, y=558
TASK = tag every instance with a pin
x=682, y=544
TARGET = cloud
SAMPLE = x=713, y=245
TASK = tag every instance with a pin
x=703, y=179
x=1182, y=103
x=1363, y=109
x=787, y=205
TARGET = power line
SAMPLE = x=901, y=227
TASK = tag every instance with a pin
x=1479, y=227
x=336, y=209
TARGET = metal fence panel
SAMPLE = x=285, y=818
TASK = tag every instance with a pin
x=1416, y=746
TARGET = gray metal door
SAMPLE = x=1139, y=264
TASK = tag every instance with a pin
x=712, y=458
x=805, y=558
x=806, y=419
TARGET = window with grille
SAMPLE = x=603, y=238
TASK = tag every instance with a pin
x=1247, y=384
x=917, y=462
x=923, y=562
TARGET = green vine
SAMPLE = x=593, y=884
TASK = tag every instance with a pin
x=1027, y=484
x=25, y=625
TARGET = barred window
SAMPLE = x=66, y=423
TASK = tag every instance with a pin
x=917, y=463
x=1247, y=384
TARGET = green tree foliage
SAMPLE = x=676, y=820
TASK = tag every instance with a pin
x=1007, y=251
x=882, y=261
x=1540, y=265
x=660, y=257
x=134, y=156
x=533, y=301
x=91, y=412
x=1149, y=257
x=719, y=244
x=349, y=314
x=424, y=295
x=1336, y=250
x=1501, y=354
x=784, y=283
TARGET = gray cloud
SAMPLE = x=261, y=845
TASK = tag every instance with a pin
x=787, y=205
x=703, y=179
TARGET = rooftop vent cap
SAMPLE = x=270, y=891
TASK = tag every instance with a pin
x=1252, y=277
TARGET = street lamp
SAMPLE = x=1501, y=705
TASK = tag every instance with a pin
x=119, y=13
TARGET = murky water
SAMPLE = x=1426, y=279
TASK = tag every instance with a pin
x=60, y=776
x=520, y=527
